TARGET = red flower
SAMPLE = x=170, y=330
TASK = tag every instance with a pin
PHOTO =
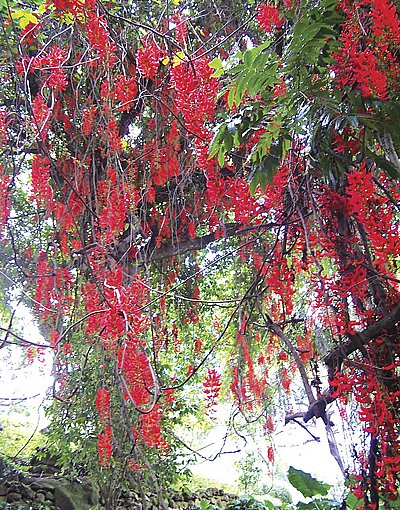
x=212, y=385
x=148, y=59
x=125, y=90
x=103, y=406
x=104, y=447
x=268, y=17
x=42, y=192
x=5, y=203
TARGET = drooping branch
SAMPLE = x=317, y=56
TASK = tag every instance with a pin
x=300, y=365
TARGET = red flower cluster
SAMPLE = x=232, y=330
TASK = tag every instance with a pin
x=125, y=91
x=53, y=287
x=89, y=116
x=150, y=431
x=103, y=402
x=51, y=66
x=3, y=128
x=41, y=117
x=148, y=59
x=377, y=408
x=74, y=6
x=104, y=447
x=5, y=203
x=114, y=203
x=367, y=57
x=212, y=386
x=41, y=191
x=99, y=39
x=104, y=440
x=194, y=93
x=268, y=17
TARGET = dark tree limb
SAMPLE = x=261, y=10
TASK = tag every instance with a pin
x=335, y=358
x=151, y=253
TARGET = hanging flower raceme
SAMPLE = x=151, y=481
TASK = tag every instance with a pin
x=51, y=68
x=149, y=58
x=4, y=123
x=104, y=447
x=367, y=58
x=103, y=401
x=104, y=440
x=100, y=41
x=212, y=386
x=5, y=203
x=268, y=17
x=75, y=7
x=125, y=90
x=194, y=93
x=150, y=429
x=41, y=191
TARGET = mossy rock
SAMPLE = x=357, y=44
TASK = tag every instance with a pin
x=75, y=496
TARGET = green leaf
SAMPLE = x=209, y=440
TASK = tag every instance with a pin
x=228, y=141
x=385, y=165
x=218, y=73
x=241, y=84
x=258, y=179
x=318, y=504
x=269, y=504
x=248, y=58
x=352, y=502
x=221, y=157
x=216, y=63
x=216, y=142
x=306, y=484
x=231, y=97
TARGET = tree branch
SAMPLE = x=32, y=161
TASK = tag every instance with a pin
x=150, y=253
x=335, y=357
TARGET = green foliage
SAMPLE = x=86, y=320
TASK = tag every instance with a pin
x=310, y=109
x=20, y=506
x=250, y=472
x=281, y=493
x=19, y=437
x=247, y=503
x=306, y=484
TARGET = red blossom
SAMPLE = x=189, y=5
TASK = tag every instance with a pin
x=385, y=20
x=99, y=39
x=104, y=447
x=150, y=430
x=194, y=93
x=89, y=115
x=103, y=406
x=5, y=202
x=125, y=90
x=212, y=386
x=268, y=17
x=4, y=123
x=41, y=191
x=41, y=117
x=148, y=59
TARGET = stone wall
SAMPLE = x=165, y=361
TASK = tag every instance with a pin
x=55, y=492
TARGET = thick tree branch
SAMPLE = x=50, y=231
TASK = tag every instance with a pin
x=317, y=408
x=384, y=325
x=150, y=253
